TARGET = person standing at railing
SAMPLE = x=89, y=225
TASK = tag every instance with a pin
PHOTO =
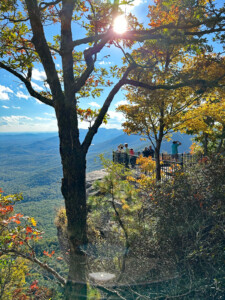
x=151, y=151
x=119, y=154
x=175, y=146
x=131, y=152
x=146, y=152
x=132, y=158
x=126, y=150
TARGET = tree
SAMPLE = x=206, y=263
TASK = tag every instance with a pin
x=24, y=43
x=18, y=239
x=155, y=114
x=205, y=118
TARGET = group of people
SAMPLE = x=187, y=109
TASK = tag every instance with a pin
x=124, y=149
x=147, y=152
x=129, y=157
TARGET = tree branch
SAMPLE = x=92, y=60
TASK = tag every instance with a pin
x=13, y=20
x=44, y=5
x=90, y=62
x=93, y=130
x=43, y=50
x=89, y=39
x=34, y=259
x=28, y=85
x=192, y=82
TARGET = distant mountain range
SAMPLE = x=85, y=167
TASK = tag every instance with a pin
x=30, y=163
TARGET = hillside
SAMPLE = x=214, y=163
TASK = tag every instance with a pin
x=30, y=164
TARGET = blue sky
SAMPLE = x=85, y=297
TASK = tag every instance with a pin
x=20, y=112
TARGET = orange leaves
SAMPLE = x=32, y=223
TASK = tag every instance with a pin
x=34, y=285
x=15, y=219
x=85, y=113
x=29, y=230
x=163, y=13
x=89, y=115
x=83, y=7
x=6, y=209
x=109, y=83
x=49, y=254
x=146, y=163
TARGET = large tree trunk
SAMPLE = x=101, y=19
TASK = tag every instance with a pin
x=73, y=188
x=158, y=166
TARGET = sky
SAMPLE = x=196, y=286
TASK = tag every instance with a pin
x=19, y=112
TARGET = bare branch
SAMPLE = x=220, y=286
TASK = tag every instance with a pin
x=34, y=259
x=28, y=85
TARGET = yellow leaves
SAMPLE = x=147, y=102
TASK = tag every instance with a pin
x=33, y=221
x=130, y=178
x=125, y=207
x=146, y=164
x=145, y=181
x=195, y=148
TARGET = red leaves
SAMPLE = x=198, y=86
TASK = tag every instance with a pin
x=15, y=218
x=29, y=230
x=48, y=254
x=109, y=83
x=34, y=285
x=6, y=209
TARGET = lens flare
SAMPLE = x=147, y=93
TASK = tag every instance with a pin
x=120, y=24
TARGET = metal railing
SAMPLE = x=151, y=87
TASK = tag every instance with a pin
x=169, y=164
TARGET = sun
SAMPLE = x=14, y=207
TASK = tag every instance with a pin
x=120, y=24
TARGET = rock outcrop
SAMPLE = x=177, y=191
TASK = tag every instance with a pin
x=60, y=220
x=91, y=178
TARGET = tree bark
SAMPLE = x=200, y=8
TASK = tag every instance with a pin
x=158, y=147
x=73, y=188
x=157, y=161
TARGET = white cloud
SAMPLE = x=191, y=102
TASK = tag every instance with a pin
x=116, y=116
x=26, y=124
x=122, y=102
x=105, y=62
x=50, y=114
x=4, y=106
x=15, y=118
x=20, y=94
x=16, y=107
x=38, y=75
x=4, y=92
x=13, y=121
x=94, y=104
x=36, y=86
x=42, y=119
